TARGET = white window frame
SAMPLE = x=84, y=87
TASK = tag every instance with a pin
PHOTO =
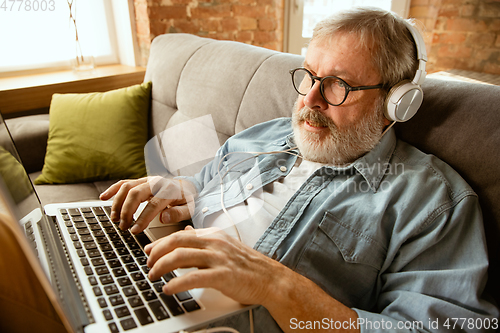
x=293, y=42
x=120, y=20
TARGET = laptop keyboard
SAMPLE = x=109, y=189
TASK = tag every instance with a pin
x=115, y=264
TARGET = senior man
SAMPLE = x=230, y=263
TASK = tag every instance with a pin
x=353, y=228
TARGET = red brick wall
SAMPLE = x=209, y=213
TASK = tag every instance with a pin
x=257, y=22
x=461, y=34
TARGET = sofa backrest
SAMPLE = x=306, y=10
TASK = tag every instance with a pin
x=238, y=84
x=459, y=122
x=241, y=85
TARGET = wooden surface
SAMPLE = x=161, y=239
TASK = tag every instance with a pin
x=29, y=92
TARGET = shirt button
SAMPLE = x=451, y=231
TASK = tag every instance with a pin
x=204, y=210
x=283, y=168
x=249, y=187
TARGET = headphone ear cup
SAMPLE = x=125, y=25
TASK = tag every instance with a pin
x=403, y=101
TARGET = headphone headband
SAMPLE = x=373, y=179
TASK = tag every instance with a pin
x=421, y=54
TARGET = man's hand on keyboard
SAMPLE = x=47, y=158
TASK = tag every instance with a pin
x=224, y=263
x=172, y=198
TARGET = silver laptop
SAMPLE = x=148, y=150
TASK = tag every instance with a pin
x=94, y=273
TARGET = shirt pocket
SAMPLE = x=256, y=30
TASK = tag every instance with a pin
x=343, y=261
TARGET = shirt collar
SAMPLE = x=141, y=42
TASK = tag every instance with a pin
x=374, y=165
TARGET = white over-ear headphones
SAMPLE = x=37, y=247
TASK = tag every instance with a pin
x=404, y=99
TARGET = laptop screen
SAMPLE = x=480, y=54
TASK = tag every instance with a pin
x=14, y=176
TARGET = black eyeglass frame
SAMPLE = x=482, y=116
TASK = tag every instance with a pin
x=314, y=78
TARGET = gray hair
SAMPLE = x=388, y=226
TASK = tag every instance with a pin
x=394, y=50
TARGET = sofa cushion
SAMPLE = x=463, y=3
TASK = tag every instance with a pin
x=30, y=133
x=97, y=136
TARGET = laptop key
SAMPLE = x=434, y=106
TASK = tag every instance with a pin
x=101, y=270
x=80, y=225
x=97, y=291
x=91, y=220
x=129, y=291
x=143, y=285
x=191, y=306
x=127, y=259
x=158, y=310
x=122, y=251
x=73, y=212
x=119, y=272
x=106, y=279
x=172, y=304
x=107, y=314
x=90, y=246
x=135, y=301
x=94, y=253
x=106, y=247
x=159, y=286
x=92, y=280
x=149, y=295
x=116, y=300
x=132, y=267
x=113, y=328
x=124, y=281
x=88, y=270
x=97, y=261
x=138, y=253
x=87, y=238
x=128, y=324
x=143, y=316
x=109, y=255
x=122, y=312
x=142, y=239
x=142, y=261
x=114, y=263
x=102, y=302
x=111, y=289
x=183, y=296
x=99, y=211
x=78, y=219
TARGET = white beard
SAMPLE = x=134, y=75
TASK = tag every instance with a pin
x=339, y=147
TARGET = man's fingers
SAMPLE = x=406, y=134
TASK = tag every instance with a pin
x=181, y=257
x=201, y=278
x=133, y=198
x=185, y=238
x=175, y=214
x=120, y=191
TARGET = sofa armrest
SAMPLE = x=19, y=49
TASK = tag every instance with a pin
x=30, y=134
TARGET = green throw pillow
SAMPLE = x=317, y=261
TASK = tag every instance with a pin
x=97, y=136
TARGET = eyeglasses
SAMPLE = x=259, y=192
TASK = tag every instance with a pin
x=333, y=89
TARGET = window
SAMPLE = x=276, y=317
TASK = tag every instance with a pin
x=302, y=16
x=40, y=34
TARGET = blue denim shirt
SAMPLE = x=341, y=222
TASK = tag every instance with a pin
x=397, y=235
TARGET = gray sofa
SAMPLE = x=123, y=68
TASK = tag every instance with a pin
x=241, y=85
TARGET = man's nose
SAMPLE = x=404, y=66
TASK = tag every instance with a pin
x=313, y=99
